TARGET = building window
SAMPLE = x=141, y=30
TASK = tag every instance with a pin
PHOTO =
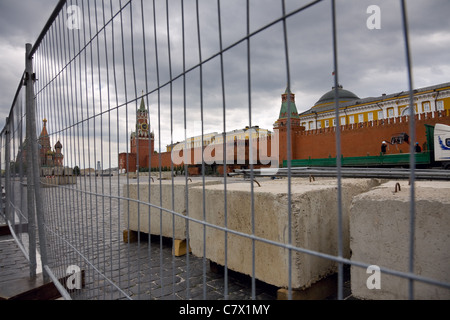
x=361, y=118
x=311, y=125
x=391, y=112
x=334, y=122
x=440, y=105
x=319, y=124
x=351, y=119
x=327, y=123
x=380, y=115
x=405, y=112
x=343, y=121
x=426, y=107
x=370, y=116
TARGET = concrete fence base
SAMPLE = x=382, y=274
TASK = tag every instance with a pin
x=375, y=229
x=314, y=226
x=160, y=194
x=380, y=235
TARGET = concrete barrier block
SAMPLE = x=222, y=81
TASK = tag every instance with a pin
x=46, y=171
x=53, y=181
x=67, y=171
x=165, y=175
x=58, y=171
x=159, y=193
x=380, y=236
x=66, y=180
x=314, y=226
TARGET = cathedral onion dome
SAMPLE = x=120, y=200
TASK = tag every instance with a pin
x=58, y=145
x=343, y=96
x=44, y=132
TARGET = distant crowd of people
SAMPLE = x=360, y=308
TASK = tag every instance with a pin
x=384, y=145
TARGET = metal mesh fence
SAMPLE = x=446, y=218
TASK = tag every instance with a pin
x=14, y=180
x=117, y=83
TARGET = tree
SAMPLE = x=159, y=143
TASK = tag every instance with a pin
x=76, y=171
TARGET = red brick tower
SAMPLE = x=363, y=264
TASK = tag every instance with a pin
x=142, y=141
x=287, y=103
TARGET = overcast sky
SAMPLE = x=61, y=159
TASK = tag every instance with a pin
x=371, y=62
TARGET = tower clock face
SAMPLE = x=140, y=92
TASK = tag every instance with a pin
x=144, y=126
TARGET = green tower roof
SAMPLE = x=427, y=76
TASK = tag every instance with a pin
x=284, y=105
x=142, y=107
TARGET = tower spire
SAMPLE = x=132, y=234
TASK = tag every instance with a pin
x=284, y=105
x=142, y=106
x=44, y=133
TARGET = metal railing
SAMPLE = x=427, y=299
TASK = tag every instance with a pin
x=87, y=74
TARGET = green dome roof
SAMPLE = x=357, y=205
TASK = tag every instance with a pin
x=343, y=96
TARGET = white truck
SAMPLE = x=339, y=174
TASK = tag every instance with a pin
x=442, y=144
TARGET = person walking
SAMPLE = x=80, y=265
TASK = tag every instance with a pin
x=417, y=148
x=383, y=147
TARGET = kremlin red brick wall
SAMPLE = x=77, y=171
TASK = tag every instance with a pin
x=166, y=160
x=210, y=155
x=361, y=139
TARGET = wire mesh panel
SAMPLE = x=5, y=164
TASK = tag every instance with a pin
x=118, y=82
x=17, y=166
x=145, y=109
x=14, y=177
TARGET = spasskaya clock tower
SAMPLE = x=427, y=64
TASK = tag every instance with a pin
x=142, y=140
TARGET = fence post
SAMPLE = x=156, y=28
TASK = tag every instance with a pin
x=2, y=185
x=31, y=208
x=34, y=169
x=7, y=171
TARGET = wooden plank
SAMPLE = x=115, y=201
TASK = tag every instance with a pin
x=130, y=236
x=34, y=288
x=18, y=228
x=179, y=247
x=4, y=230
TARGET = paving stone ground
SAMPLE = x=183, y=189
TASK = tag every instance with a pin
x=172, y=278
x=13, y=264
x=116, y=270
